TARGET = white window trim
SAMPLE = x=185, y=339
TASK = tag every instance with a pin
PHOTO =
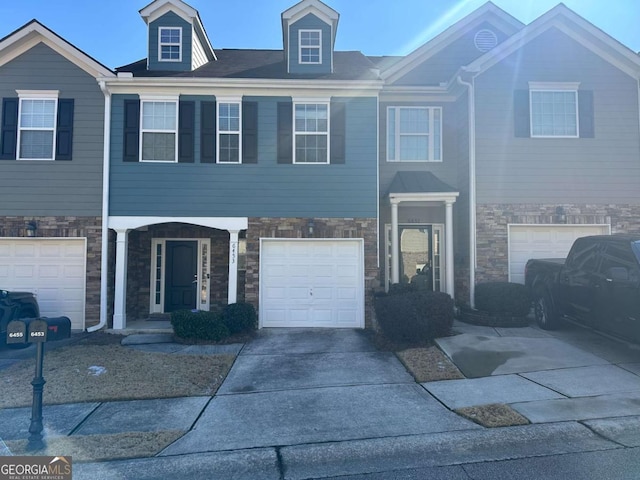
x=159, y=98
x=37, y=95
x=431, y=152
x=221, y=100
x=160, y=45
x=300, y=46
x=312, y=101
x=564, y=87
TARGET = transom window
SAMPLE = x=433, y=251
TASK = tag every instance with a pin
x=414, y=134
x=170, y=44
x=159, y=131
x=37, y=127
x=229, y=145
x=311, y=132
x=554, y=113
x=310, y=46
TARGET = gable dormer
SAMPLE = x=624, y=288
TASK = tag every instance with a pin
x=309, y=35
x=177, y=40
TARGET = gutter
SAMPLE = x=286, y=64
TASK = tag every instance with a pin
x=472, y=188
x=104, y=255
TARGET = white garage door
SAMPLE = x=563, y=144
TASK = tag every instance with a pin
x=53, y=269
x=312, y=283
x=543, y=241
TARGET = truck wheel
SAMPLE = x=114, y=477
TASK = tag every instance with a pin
x=546, y=316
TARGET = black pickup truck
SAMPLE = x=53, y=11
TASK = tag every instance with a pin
x=16, y=305
x=597, y=285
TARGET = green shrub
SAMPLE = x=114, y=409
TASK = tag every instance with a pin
x=240, y=317
x=414, y=316
x=503, y=298
x=199, y=325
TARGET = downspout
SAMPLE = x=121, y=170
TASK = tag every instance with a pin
x=472, y=188
x=104, y=255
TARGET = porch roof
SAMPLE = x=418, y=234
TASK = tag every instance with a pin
x=418, y=182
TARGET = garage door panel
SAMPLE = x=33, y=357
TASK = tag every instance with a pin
x=324, y=284
x=543, y=241
x=53, y=269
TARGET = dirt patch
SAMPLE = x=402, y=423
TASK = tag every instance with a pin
x=98, y=369
x=429, y=364
x=85, y=448
x=493, y=415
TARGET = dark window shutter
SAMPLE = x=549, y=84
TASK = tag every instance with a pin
x=9, y=131
x=249, y=132
x=64, y=130
x=131, y=142
x=208, y=132
x=186, y=131
x=338, y=128
x=285, y=132
x=522, y=120
x=586, y=114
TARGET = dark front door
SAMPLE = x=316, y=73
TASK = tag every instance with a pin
x=181, y=275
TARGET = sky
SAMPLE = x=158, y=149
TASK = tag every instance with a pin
x=113, y=32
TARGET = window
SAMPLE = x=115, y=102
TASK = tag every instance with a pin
x=554, y=113
x=159, y=131
x=310, y=46
x=414, y=134
x=170, y=43
x=229, y=121
x=37, y=126
x=311, y=132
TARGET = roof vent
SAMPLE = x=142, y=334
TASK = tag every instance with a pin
x=485, y=40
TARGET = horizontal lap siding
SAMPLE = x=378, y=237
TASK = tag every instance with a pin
x=55, y=187
x=265, y=189
x=605, y=168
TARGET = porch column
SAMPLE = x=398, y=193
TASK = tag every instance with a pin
x=120, y=300
x=232, y=296
x=448, y=252
x=395, y=246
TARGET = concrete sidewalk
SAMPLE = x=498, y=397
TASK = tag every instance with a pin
x=314, y=403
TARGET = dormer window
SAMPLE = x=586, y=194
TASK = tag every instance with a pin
x=170, y=44
x=310, y=43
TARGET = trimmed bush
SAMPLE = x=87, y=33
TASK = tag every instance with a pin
x=199, y=325
x=240, y=317
x=415, y=315
x=503, y=298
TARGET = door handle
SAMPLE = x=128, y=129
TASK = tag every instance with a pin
x=195, y=279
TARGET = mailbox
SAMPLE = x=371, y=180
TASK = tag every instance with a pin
x=16, y=332
x=38, y=330
x=58, y=328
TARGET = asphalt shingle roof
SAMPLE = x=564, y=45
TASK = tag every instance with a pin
x=418, y=182
x=265, y=64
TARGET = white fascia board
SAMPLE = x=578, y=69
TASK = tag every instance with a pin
x=34, y=33
x=227, y=87
x=221, y=223
x=156, y=9
x=423, y=197
x=451, y=34
x=319, y=9
x=600, y=43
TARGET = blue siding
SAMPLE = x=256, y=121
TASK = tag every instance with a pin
x=170, y=19
x=310, y=22
x=50, y=187
x=265, y=189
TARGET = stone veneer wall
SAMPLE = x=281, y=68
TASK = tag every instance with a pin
x=493, y=219
x=139, y=263
x=68, y=227
x=365, y=228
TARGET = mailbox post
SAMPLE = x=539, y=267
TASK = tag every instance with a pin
x=38, y=331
